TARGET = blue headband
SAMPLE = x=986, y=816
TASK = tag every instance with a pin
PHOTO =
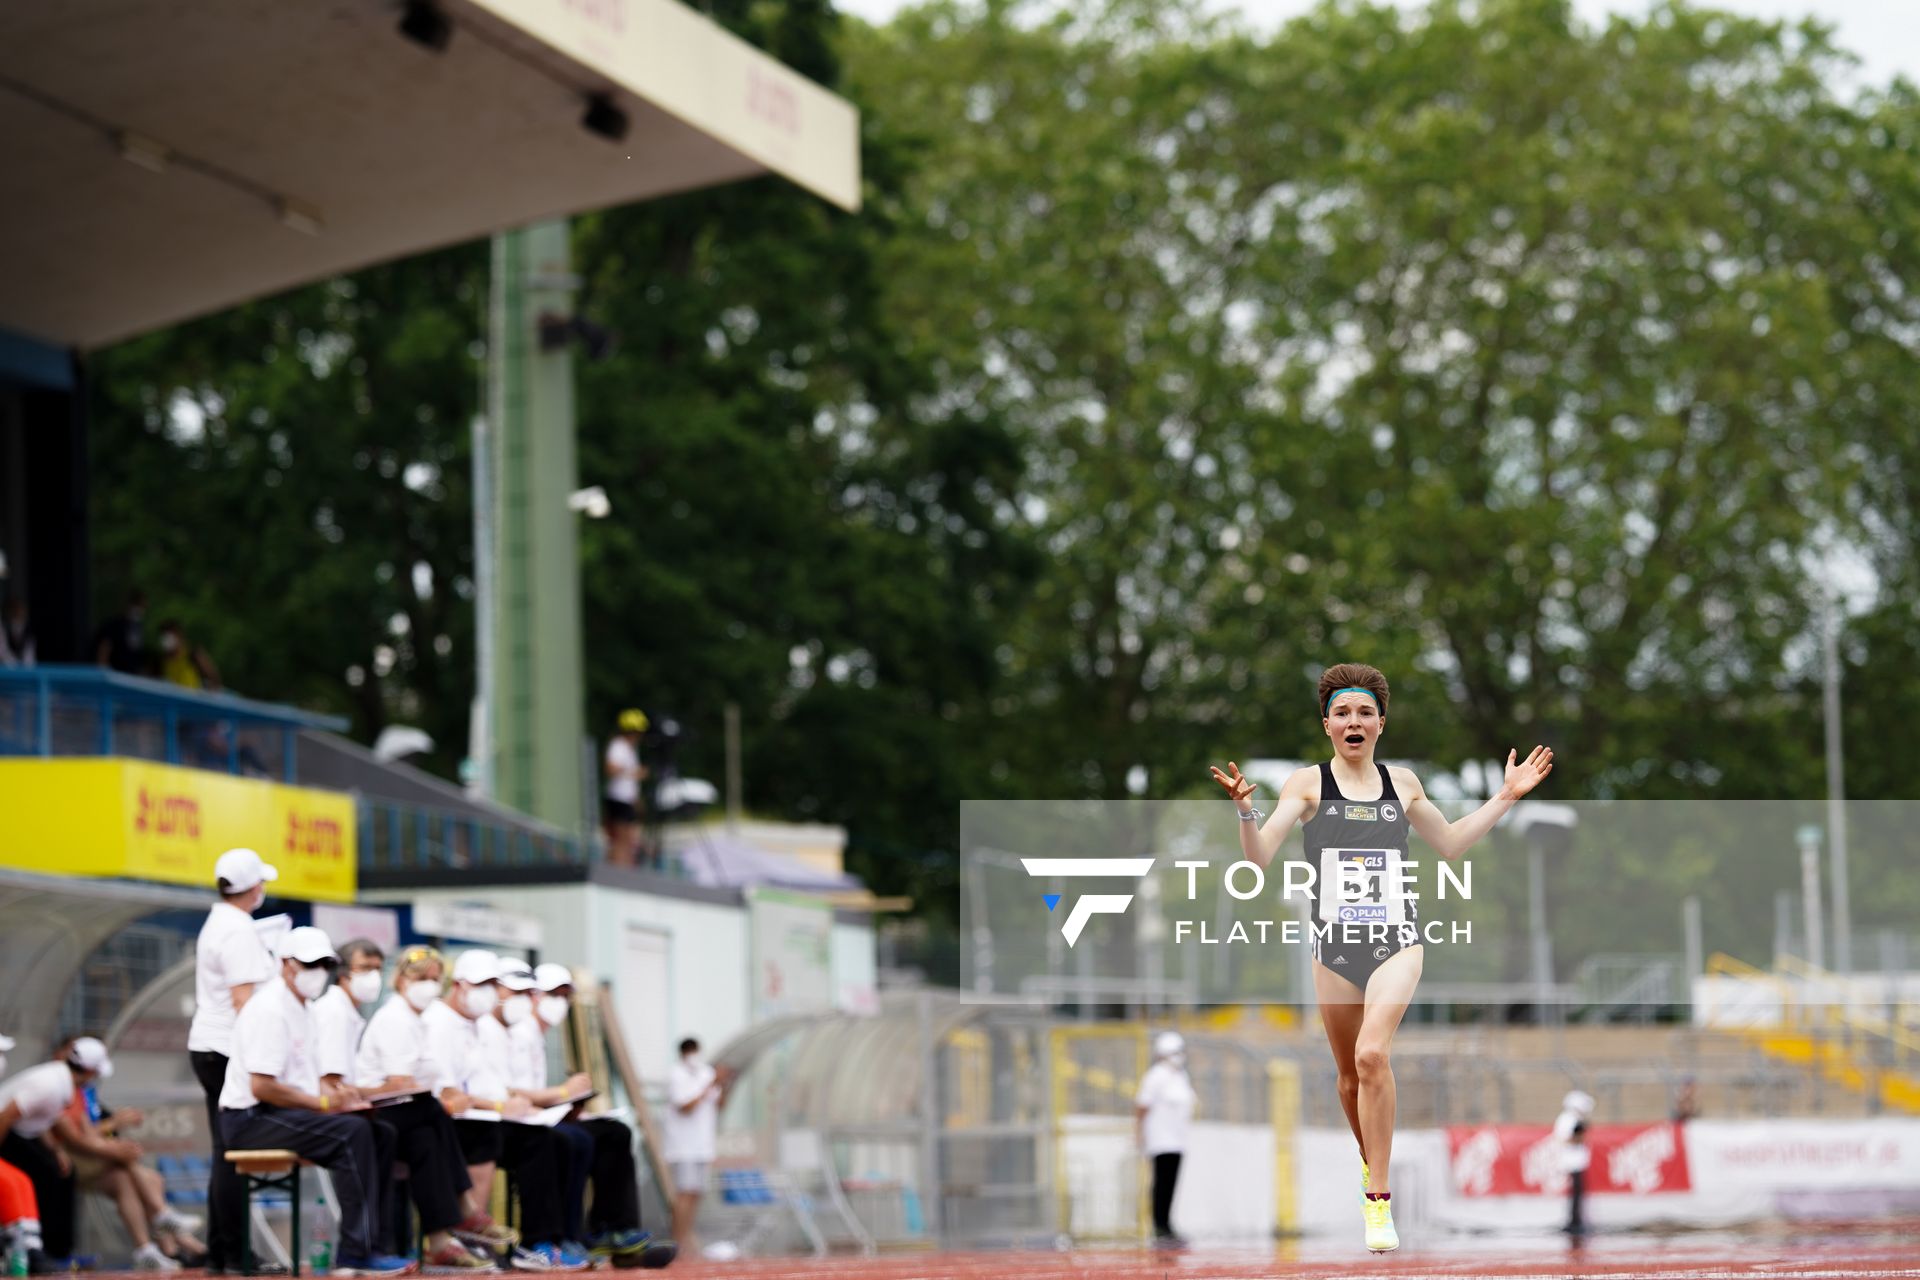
x=1352, y=688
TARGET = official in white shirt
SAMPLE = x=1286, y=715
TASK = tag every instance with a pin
x=689, y=1134
x=533, y=1152
x=31, y=1103
x=1570, y=1129
x=600, y=1148
x=418, y=1131
x=394, y=1053
x=1163, y=1113
x=273, y=1099
x=230, y=961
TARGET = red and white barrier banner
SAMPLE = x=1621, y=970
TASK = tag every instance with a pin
x=1526, y=1159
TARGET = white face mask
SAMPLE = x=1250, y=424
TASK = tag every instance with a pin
x=516, y=1009
x=481, y=1001
x=553, y=1010
x=310, y=983
x=364, y=986
x=422, y=992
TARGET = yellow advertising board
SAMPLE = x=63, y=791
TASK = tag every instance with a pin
x=142, y=821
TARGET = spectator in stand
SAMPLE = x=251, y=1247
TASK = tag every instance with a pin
x=16, y=638
x=1571, y=1129
x=31, y=1103
x=108, y=1165
x=1686, y=1103
x=121, y=642
x=19, y=1210
x=621, y=806
x=417, y=1130
x=695, y=1094
x=230, y=963
x=273, y=1098
x=183, y=662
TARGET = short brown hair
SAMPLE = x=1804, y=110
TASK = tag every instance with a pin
x=1352, y=675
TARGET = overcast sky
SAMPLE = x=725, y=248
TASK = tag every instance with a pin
x=1884, y=33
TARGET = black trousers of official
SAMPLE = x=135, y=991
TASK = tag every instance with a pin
x=53, y=1189
x=1577, y=1202
x=538, y=1159
x=344, y=1146
x=226, y=1193
x=601, y=1149
x=1166, y=1172
x=419, y=1134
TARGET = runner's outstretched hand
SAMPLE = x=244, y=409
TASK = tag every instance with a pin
x=1238, y=788
x=1529, y=773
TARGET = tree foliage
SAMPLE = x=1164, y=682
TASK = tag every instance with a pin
x=1541, y=365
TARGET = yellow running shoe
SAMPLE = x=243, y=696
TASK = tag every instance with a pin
x=1381, y=1237
x=1366, y=1179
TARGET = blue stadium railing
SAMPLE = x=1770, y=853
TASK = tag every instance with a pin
x=402, y=838
x=89, y=711
x=71, y=711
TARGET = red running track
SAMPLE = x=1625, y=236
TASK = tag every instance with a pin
x=1723, y=1257
x=1775, y=1258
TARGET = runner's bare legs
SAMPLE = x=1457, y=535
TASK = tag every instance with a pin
x=1389, y=992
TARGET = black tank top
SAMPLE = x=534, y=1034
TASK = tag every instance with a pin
x=1375, y=825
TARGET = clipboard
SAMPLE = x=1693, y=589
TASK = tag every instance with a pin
x=394, y=1098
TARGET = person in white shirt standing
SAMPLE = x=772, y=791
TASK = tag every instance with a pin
x=273, y=1099
x=1570, y=1128
x=689, y=1133
x=1163, y=1113
x=620, y=808
x=534, y=1153
x=230, y=961
x=31, y=1103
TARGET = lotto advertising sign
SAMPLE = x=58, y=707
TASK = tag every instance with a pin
x=140, y=821
x=1526, y=1159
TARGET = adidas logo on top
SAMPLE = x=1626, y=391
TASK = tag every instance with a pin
x=1333, y=808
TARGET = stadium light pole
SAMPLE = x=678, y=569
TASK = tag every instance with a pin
x=1808, y=838
x=1546, y=828
x=1836, y=789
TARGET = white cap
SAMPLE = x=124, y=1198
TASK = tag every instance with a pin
x=239, y=870
x=552, y=977
x=1578, y=1101
x=306, y=944
x=90, y=1055
x=515, y=975
x=1168, y=1043
x=476, y=967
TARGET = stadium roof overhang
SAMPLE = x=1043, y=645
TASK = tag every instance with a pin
x=49, y=925
x=159, y=161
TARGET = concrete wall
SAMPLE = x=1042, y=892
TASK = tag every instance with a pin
x=678, y=966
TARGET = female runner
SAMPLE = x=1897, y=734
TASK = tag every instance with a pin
x=1365, y=940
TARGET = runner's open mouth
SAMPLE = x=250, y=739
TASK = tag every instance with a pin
x=1356, y=738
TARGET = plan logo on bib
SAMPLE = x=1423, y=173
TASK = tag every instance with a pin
x=1088, y=905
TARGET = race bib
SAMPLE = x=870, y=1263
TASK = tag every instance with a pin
x=1361, y=886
